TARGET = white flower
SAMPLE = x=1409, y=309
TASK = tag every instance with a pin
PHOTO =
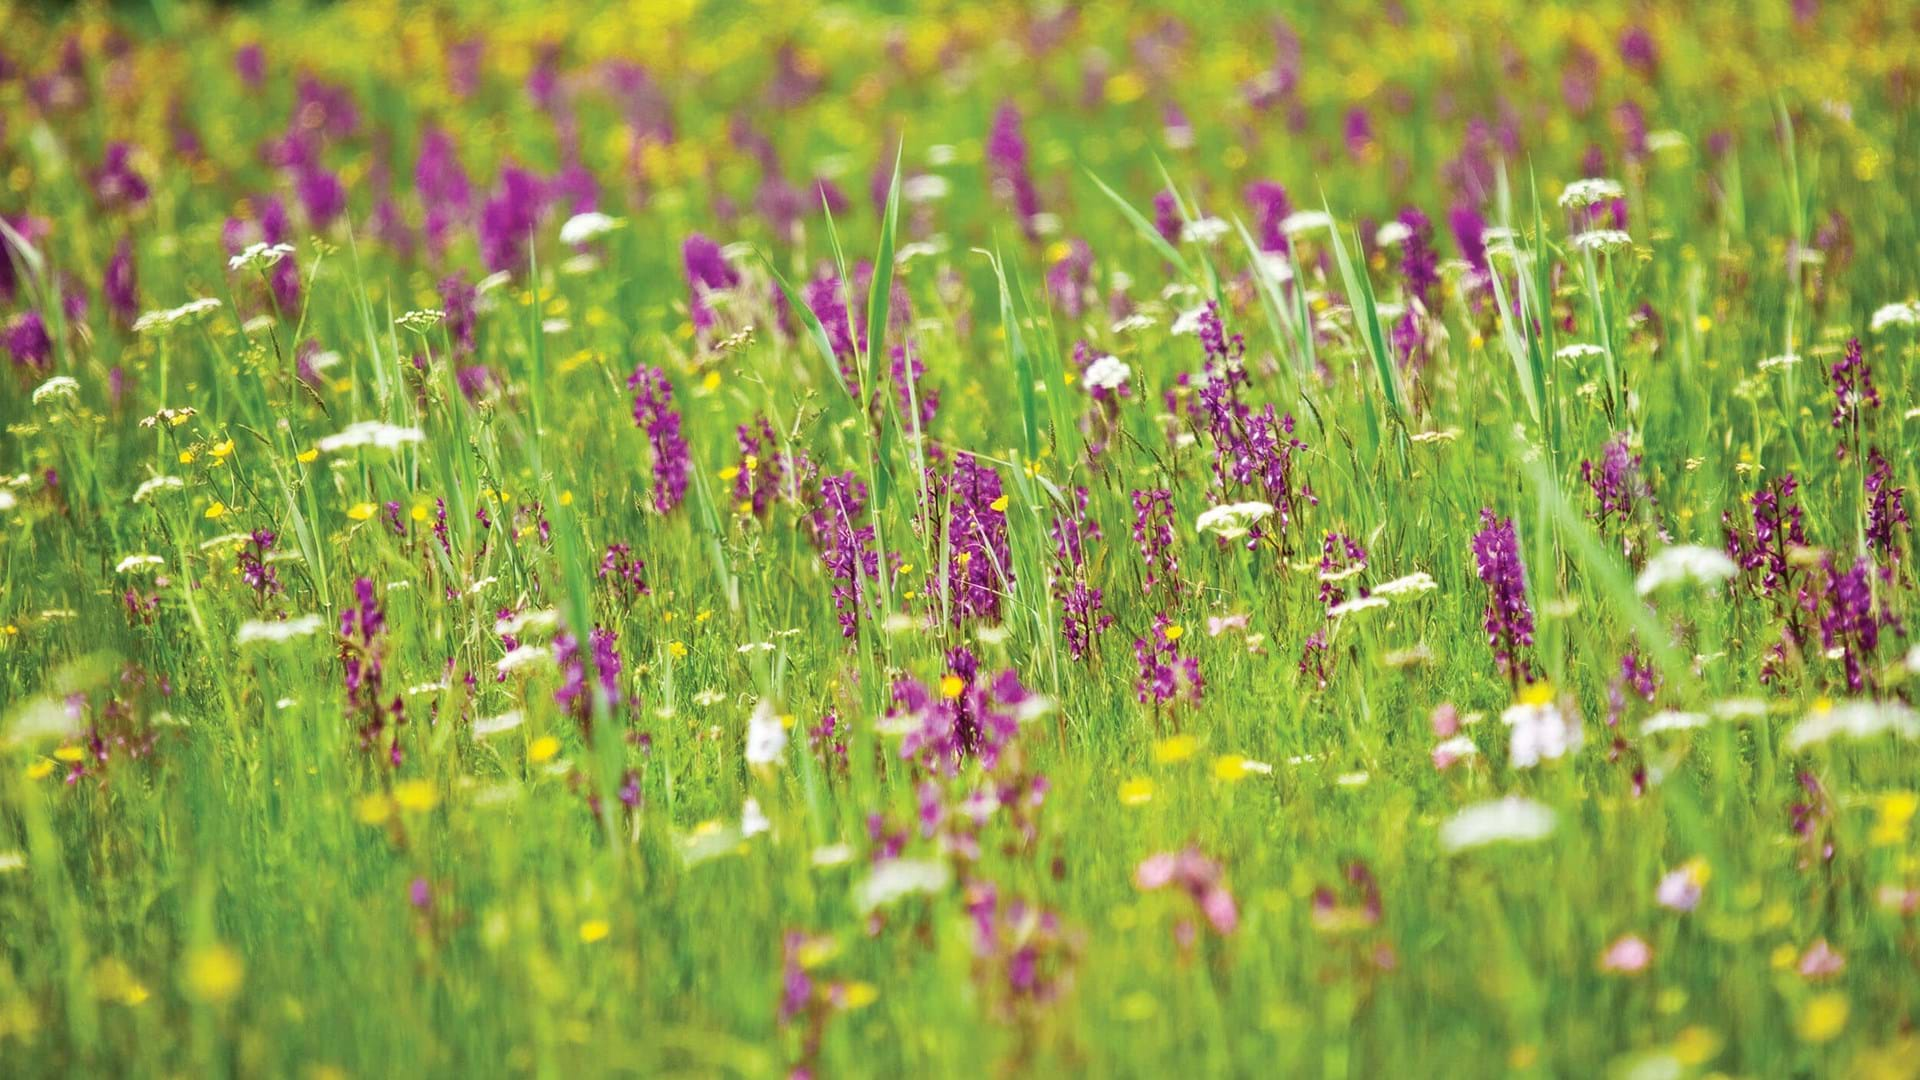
x=925, y=188
x=280, y=630
x=60, y=386
x=1188, y=321
x=1206, y=230
x=7, y=500
x=1541, y=732
x=1902, y=314
x=1108, y=373
x=753, y=821
x=420, y=321
x=766, y=735
x=1584, y=193
x=134, y=564
x=1854, y=720
x=1512, y=819
x=488, y=726
x=1685, y=562
x=1601, y=241
x=1739, y=709
x=1232, y=520
x=157, y=484
x=523, y=656
x=1274, y=266
x=260, y=257
x=832, y=855
x=1358, y=603
x=1134, y=323
x=1672, y=720
x=583, y=228
x=1774, y=363
x=1392, y=234
x=372, y=433
x=1417, y=582
x=1305, y=220
x=1579, y=350
x=167, y=318
x=897, y=878
x=520, y=623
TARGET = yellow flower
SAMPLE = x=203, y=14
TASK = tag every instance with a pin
x=217, y=510
x=69, y=754
x=1695, y=1046
x=543, y=749
x=40, y=770
x=858, y=995
x=1175, y=748
x=1000, y=504
x=711, y=382
x=952, y=686
x=419, y=512
x=730, y=472
x=1136, y=792
x=594, y=930
x=214, y=974
x=1232, y=767
x=676, y=649
x=186, y=457
x=566, y=498
x=1896, y=814
x=1539, y=693
x=222, y=451
x=374, y=810
x=1823, y=1017
x=361, y=511
x=307, y=457
x=1175, y=631
x=416, y=795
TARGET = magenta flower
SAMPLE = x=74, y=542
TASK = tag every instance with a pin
x=653, y=410
x=1199, y=877
x=1508, y=619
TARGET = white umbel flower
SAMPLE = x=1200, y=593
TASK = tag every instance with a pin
x=1584, y=193
x=766, y=735
x=374, y=433
x=586, y=228
x=1232, y=520
x=1685, y=562
x=1510, y=820
x=1108, y=373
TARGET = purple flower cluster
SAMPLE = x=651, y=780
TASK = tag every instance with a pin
x=571, y=695
x=978, y=718
x=980, y=565
x=1886, y=508
x=251, y=560
x=1250, y=450
x=1165, y=674
x=1508, y=619
x=362, y=630
x=707, y=272
x=846, y=549
x=1153, y=535
x=1007, y=160
x=653, y=410
x=1765, y=550
x=1270, y=209
x=1853, y=391
x=1851, y=619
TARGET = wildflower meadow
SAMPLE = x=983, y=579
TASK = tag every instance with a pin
x=959, y=539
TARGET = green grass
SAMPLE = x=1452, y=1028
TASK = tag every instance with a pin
x=240, y=889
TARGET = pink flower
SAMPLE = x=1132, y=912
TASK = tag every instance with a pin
x=1679, y=890
x=1628, y=956
x=1820, y=961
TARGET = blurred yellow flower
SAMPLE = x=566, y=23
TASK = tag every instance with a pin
x=1136, y=792
x=1823, y=1017
x=1896, y=812
x=543, y=749
x=415, y=795
x=594, y=930
x=362, y=511
x=1175, y=748
x=213, y=974
x=216, y=511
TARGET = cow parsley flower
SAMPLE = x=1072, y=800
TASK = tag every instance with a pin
x=1591, y=191
x=260, y=257
x=1510, y=820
